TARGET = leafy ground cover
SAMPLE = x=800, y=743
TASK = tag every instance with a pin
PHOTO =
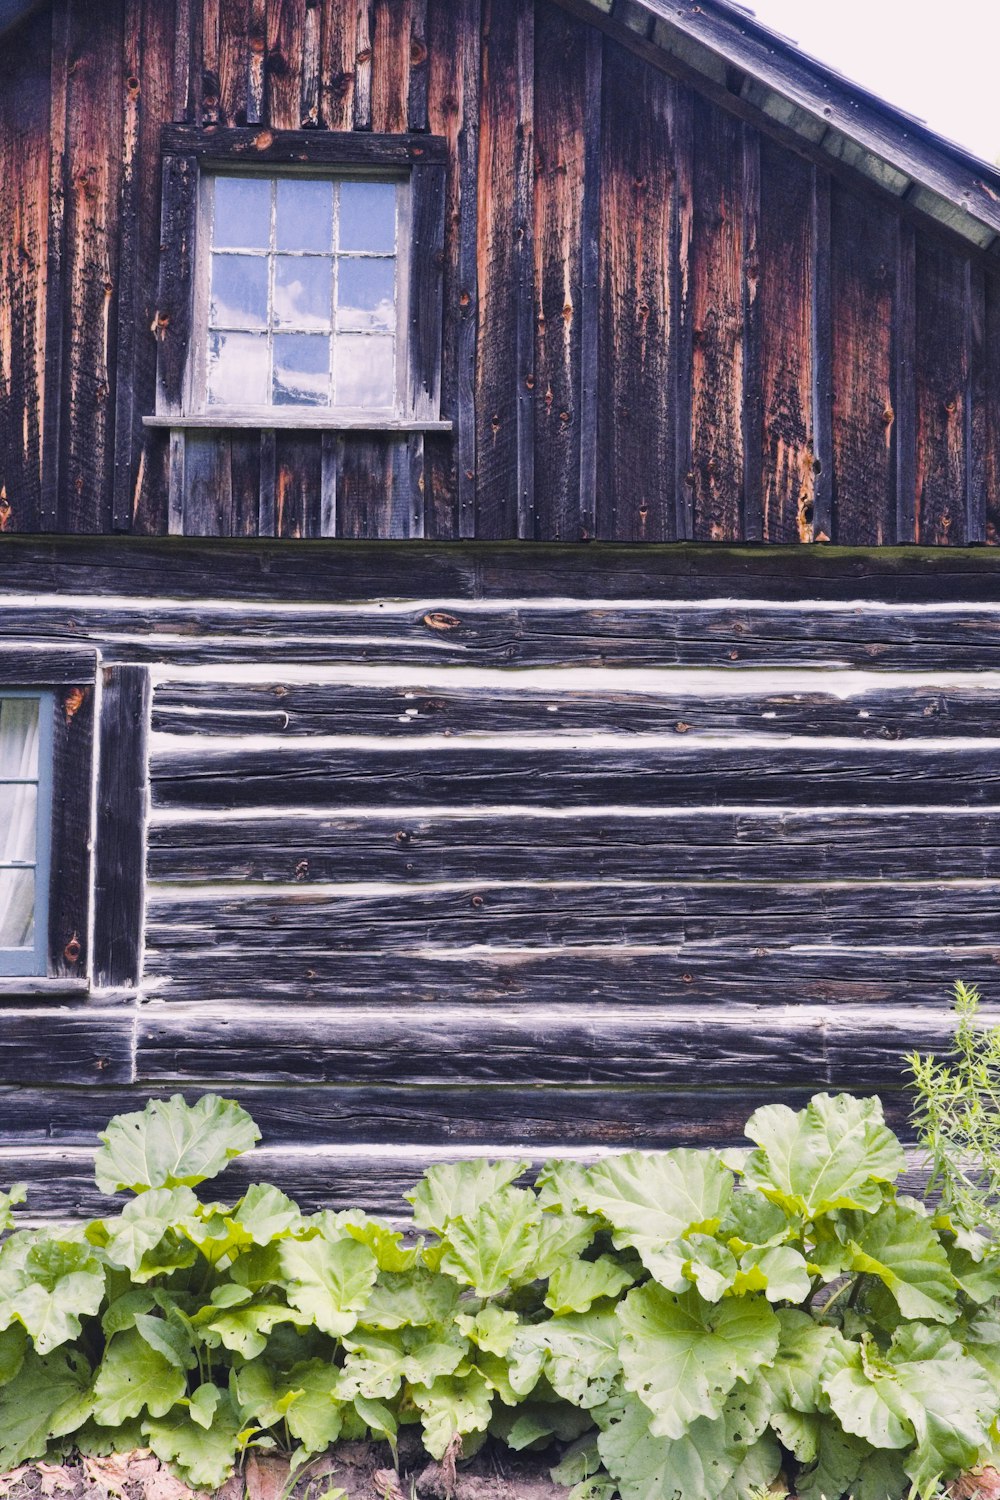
x=653, y=1332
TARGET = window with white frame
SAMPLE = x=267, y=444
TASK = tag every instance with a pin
x=301, y=298
x=25, y=823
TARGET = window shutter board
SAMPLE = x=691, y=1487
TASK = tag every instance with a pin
x=120, y=854
x=425, y=288
x=172, y=320
x=69, y=882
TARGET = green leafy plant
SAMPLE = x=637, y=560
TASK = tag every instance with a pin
x=686, y=1325
x=957, y=1118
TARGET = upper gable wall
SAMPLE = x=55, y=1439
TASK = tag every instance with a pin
x=661, y=320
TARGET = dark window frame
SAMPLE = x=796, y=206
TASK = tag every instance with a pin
x=66, y=681
x=187, y=151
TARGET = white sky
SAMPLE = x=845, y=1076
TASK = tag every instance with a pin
x=937, y=61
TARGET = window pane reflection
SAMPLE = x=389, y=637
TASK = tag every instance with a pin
x=366, y=295
x=242, y=213
x=368, y=216
x=304, y=216
x=239, y=291
x=301, y=370
x=364, y=371
x=237, y=369
x=303, y=291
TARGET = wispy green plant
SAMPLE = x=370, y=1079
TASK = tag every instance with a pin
x=957, y=1117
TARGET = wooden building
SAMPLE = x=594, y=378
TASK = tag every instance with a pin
x=499, y=630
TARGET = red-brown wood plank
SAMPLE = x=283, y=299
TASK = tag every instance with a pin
x=635, y=487
x=496, y=414
x=95, y=123
x=786, y=307
x=863, y=272
x=942, y=375
x=24, y=211
x=560, y=126
x=452, y=112
x=337, y=47
x=391, y=65
x=286, y=55
x=717, y=314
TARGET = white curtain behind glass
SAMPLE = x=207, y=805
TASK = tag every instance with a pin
x=18, y=802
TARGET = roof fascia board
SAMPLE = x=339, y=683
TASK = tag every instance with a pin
x=808, y=85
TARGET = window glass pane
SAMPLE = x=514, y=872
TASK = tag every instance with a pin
x=18, y=737
x=242, y=213
x=365, y=294
x=303, y=291
x=368, y=216
x=239, y=291
x=304, y=216
x=18, y=814
x=301, y=369
x=17, y=908
x=237, y=369
x=364, y=370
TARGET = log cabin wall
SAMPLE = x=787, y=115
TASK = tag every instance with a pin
x=582, y=848
x=665, y=317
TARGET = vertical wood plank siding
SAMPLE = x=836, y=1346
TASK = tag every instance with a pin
x=658, y=321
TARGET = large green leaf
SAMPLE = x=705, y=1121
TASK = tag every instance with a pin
x=143, y=1223
x=205, y=1456
x=922, y=1392
x=418, y=1297
x=901, y=1248
x=329, y=1283
x=453, y=1404
x=377, y=1363
x=579, y=1355
x=385, y=1243
x=725, y=1456
x=794, y=1379
x=578, y=1283
x=836, y=1153
x=13, y=1347
x=682, y=1356
x=494, y=1245
x=34, y=1404
x=652, y=1199
x=778, y=1271
x=172, y=1144
x=264, y=1214
x=314, y=1413
x=560, y=1237
x=450, y=1190
x=8, y=1202
x=47, y=1285
x=493, y=1328
x=134, y=1377
x=840, y=1460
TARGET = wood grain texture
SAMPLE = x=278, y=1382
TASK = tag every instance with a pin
x=93, y=169
x=391, y=65
x=72, y=781
x=293, y=849
x=992, y=456
x=717, y=320
x=119, y=894
x=863, y=276
x=942, y=374
x=560, y=184
x=788, y=476
x=24, y=252
x=806, y=1045
x=636, y=463
x=496, y=391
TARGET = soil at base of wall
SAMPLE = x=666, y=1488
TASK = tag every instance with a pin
x=351, y=1471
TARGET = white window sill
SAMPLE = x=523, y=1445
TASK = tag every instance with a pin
x=302, y=421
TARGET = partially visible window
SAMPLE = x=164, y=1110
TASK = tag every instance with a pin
x=302, y=300
x=25, y=830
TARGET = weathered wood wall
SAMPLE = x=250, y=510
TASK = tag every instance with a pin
x=662, y=319
x=578, y=848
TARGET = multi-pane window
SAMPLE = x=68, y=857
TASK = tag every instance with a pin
x=25, y=816
x=302, y=292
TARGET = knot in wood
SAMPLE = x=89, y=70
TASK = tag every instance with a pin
x=438, y=619
x=477, y=902
x=72, y=950
x=404, y=839
x=74, y=701
x=302, y=869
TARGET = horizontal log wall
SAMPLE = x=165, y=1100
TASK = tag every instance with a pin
x=546, y=851
x=664, y=317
